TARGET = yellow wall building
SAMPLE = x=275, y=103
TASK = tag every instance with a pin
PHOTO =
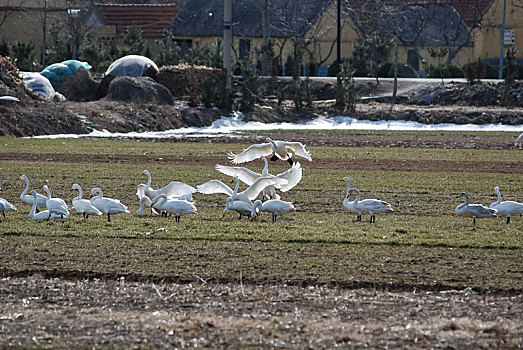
x=487, y=37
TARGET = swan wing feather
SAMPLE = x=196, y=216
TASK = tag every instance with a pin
x=293, y=177
x=245, y=175
x=214, y=186
x=176, y=188
x=252, y=152
x=254, y=190
x=299, y=149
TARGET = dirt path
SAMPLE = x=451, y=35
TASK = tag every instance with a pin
x=108, y=314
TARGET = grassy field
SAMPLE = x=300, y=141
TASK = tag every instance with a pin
x=421, y=245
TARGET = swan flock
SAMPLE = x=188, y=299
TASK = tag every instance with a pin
x=263, y=193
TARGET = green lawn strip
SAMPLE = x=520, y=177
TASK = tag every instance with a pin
x=421, y=244
x=296, y=262
x=188, y=149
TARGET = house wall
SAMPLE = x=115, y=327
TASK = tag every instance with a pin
x=487, y=38
x=465, y=56
x=27, y=27
x=320, y=38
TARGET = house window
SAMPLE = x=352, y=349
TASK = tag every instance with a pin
x=245, y=48
x=412, y=59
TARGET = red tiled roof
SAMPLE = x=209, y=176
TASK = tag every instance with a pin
x=152, y=18
x=470, y=10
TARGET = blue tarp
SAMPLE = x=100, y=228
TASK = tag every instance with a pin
x=55, y=71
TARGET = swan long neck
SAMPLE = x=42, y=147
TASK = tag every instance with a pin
x=467, y=198
x=265, y=170
x=357, y=196
x=33, y=207
x=48, y=193
x=256, y=205
x=235, y=192
x=144, y=201
x=227, y=204
x=348, y=189
x=499, y=195
x=80, y=193
x=98, y=192
x=149, y=180
x=26, y=188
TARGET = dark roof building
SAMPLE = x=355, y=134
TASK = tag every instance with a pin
x=153, y=19
x=289, y=18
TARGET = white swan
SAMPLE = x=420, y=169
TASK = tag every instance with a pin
x=518, y=140
x=370, y=206
x=55, y=205
x=174, y=188
x=42, y=215
x=243, y=208
x=40, y=199
x=273, y=206
x=174, y=206
x=506, y=208
x=474, y=210
x=83, y=206
x=292, y=175
x=146, y=201
x=6, y=206
x=351, y=206
x=248, y=195
x=279, y=148
x=107, y=205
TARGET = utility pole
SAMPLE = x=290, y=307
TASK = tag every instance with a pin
x=227, y=42
x=500, y=72
x=338, y=31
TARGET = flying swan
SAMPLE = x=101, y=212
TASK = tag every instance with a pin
x=83, y=206
x=506, y=208
x=248, y=195
x=474, y=210
x=292, y=175
x=279, y=148
x=107, y=205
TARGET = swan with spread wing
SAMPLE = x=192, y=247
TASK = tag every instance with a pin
x=278, y=149
x=292, y=175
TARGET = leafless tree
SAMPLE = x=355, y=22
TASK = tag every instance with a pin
x=7, y=9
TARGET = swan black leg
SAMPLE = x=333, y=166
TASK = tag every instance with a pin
x=358, y=218
x=3, y=214
x=274, y=217
x=508, y=219
x=177, y=218
x=108, y=217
